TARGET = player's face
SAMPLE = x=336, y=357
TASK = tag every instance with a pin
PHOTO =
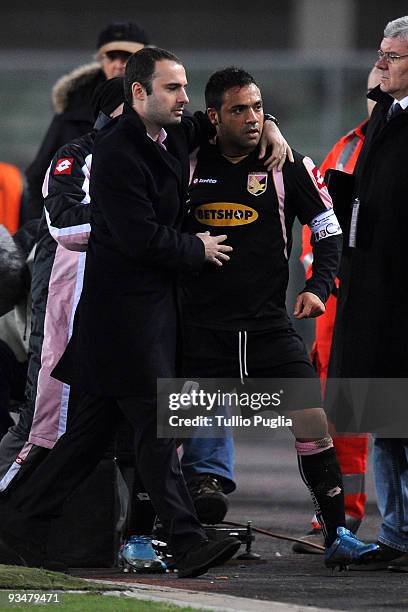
x=394, y=77
x=239, y=122
x=165, y=105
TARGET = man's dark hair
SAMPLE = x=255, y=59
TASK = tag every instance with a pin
x=222, y=80
x=140, y=68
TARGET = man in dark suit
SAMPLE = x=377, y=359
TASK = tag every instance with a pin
x=371, y=329
x=126, y=333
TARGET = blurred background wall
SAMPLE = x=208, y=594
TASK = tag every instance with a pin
x=311, y=58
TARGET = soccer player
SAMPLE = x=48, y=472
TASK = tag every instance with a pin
x=236, y=324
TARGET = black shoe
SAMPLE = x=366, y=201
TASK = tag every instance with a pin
x=209, y=499
x=18, y=551
x=400, y=564
x=387, y=558
x=198, y=560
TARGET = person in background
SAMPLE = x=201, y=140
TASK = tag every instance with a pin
x=71, y=98
x=13, y=197
x=16, y=260
x=57, y=269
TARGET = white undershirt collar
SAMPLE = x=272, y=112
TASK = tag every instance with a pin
x=403, y=103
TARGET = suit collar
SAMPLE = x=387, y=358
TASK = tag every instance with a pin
x=380, y=96
x=129, y=115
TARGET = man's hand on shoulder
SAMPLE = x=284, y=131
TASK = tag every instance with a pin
x=281, y=151
x=308, y=305
x=215, y=252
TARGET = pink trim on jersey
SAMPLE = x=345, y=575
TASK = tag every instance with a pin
x=73, y=237
x=280, y=192
x=321, y=190
x=46, y=180
x=75, y=241
x=61, y=304
x=66, y=389
x=193, y=163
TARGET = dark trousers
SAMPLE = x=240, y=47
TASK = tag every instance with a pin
x=78, y=451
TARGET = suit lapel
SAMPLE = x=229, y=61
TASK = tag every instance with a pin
x=159, y=154
x=175, y=166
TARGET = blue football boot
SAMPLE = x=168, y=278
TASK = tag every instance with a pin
x=138, y=555
x=348, y=549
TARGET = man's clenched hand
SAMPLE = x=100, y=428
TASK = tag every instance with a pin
x=308, y=305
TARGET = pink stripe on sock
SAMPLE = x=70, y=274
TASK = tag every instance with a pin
x=314, y=447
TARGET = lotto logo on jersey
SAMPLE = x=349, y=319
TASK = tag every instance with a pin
x=64, y=165
x=318, y=178
x=206, y=181
x=257, y=183
x=225, y=214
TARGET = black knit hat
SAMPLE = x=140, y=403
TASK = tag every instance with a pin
x=108, y=96
x=122, y=36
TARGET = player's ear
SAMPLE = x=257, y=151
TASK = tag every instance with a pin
x=213, y=116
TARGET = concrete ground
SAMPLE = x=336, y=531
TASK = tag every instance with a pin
x=271, y=495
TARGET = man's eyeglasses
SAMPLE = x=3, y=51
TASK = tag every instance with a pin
x=390, y=58
x=117, y=55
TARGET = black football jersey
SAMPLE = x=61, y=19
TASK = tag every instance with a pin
x=256, y=209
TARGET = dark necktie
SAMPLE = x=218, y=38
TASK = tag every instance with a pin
x=394, y=110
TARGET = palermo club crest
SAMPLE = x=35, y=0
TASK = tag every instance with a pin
x=257, y=183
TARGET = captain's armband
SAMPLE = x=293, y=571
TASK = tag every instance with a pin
x=325, y=225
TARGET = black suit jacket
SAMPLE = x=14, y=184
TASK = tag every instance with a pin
x=126, y=330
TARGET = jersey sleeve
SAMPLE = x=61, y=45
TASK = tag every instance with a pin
x=313, y=206
x=197, y=129
x=306, y=189
x=66, y=197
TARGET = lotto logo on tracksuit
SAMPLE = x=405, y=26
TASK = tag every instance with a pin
x=64, y=166
x=225, y=214
x=318, y=177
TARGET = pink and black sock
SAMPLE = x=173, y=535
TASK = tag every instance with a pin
x=320, y=472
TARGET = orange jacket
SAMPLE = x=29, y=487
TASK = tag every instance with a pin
x=343, y=156
x=11, y=191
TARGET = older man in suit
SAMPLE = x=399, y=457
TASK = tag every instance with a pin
x=371, y=331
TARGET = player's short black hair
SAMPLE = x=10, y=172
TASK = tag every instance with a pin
x=222, y=80
x=140, y=68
